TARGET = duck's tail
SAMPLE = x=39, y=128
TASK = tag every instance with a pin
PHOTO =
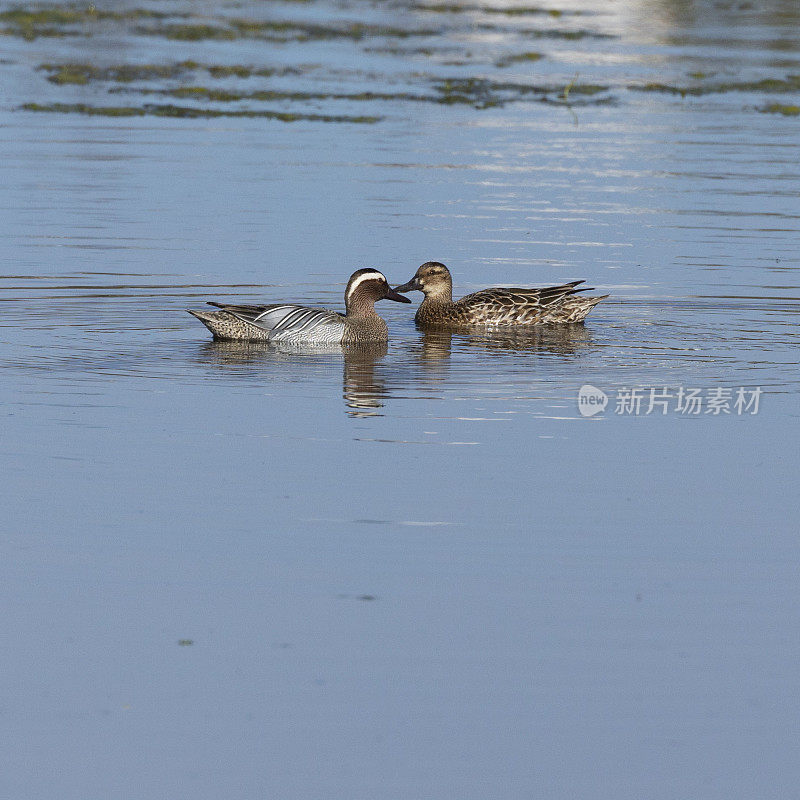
x=208, y=318
x=218, y=322
x=577, y=308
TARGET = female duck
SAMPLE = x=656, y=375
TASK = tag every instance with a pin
x=297, y=324
x=498, y=306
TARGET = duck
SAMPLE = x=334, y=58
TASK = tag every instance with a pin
x=498, y=306
x=296, y=324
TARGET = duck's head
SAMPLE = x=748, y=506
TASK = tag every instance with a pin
x=366, y=287
x=433, y=279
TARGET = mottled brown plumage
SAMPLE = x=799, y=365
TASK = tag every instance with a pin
x=499, y=306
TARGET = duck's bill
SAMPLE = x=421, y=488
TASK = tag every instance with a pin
x=398, y=298
x=411, y=286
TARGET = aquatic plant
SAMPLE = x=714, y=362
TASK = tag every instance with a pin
x=514, y=11
x=484, y=93
x=780, y=108
x=517, y=58
x=268, y=95
x=788, y=84
x=185, y=112
x=73, y=73
x=31, y=23
x=479, y=93
x=67, y=21
x=186, y=32
x=277, y=31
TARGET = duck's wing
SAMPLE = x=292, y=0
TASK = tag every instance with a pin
x=518, y=304
x=239, y=309
x=291, y=323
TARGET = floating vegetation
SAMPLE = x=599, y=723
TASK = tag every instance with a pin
x=277, y=31
x=73, y=14
x=237, y=71
x=479, y=93
x=482, y=93
x=72, y=20
x=394, y=50
x=517, y=11
x=62, y=74
x=555, y=33
x=791, y=83
x=183, y=112
x=80, y=74
x=81, y=108
x=31, y=33
x=66, y=21
x=780, y=108
x=475, y=92
x=52, y=20
x=69, y=73
x=270, y=95
x=519, y=58
x=522, y=11
x=26, y=18
x=470, y=92
x=189, y=33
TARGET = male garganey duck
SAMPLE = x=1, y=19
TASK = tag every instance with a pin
x=305, y=325
x=499, y=306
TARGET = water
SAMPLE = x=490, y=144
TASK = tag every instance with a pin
x=416, y=571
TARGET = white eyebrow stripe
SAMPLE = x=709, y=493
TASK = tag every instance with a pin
x=372, y=275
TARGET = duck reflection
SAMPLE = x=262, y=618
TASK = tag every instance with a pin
x=364, y=373
x=438, y=344
x=363, y=390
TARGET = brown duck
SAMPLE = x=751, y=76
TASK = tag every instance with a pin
x=498, y=306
